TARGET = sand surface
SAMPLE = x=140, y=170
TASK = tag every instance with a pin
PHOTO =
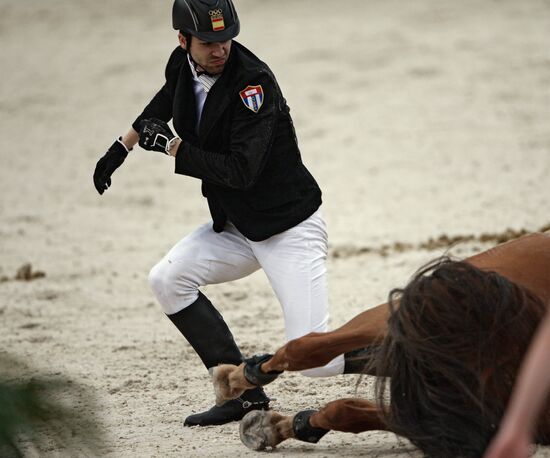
x=421, y=120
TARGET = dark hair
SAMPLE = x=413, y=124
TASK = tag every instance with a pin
x=456, y=336
x=188, y=38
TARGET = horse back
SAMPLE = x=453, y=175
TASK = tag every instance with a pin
x=524, y=261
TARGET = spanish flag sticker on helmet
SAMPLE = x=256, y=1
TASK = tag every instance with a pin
x=252, y=97
x=216, y=16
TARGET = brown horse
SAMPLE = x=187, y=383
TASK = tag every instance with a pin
x=451, y=342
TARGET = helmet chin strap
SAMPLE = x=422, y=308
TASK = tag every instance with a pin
x=202, y=71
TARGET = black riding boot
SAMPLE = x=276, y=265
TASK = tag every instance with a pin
x=361, y=361
x=204, y=328
x=233, y=410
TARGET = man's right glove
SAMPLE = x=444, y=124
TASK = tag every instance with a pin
x=155, y=135
x=113, y=159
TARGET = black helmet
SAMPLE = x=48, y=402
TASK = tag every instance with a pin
x=209, y=20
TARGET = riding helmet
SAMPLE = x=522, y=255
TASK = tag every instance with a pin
x=208, y=20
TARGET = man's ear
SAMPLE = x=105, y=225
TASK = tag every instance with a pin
x=182, y=40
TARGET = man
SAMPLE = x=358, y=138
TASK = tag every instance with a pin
x=235, y=133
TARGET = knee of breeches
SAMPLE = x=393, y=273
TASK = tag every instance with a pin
x=172, y=288
x=155, y=278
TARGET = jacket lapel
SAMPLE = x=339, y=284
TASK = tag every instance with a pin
x=219, y=97
x=185, y=115
x=216, y=103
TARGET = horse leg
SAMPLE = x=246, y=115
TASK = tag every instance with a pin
x=262, y=429
x=312, y=350
x=318, y=348
x=349, y=415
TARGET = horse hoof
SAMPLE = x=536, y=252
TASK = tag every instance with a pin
x=255, y=430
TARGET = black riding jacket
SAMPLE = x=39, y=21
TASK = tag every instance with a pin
x=249, y=162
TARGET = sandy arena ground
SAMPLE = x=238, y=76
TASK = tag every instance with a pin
x=421, y=120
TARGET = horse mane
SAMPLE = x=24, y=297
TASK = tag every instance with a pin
x=456, y=336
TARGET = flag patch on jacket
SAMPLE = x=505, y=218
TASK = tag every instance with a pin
x=252, y=97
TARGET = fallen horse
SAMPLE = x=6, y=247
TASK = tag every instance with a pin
x=450, y=343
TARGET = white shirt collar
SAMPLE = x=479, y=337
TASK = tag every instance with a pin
x=207, y=81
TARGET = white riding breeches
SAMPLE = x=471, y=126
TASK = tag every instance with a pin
x=294, y=262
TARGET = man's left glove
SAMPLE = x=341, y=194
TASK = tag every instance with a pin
x=155, y=135
x=112, y=160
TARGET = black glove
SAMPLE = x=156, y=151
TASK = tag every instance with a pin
x=113, y=159
x=155, y=135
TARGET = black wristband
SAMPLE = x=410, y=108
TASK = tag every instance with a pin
x=303, y=430
x=253, y=370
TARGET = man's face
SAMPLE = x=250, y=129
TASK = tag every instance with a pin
x=211, y=57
